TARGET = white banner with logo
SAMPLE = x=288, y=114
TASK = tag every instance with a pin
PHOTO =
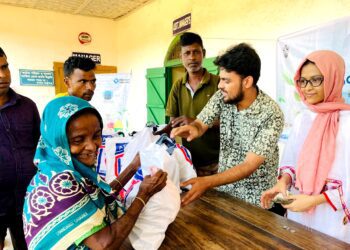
x=291, y=49
x=110, y=99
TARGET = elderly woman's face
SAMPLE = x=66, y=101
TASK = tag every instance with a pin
x=84, y=137
x=312, y=76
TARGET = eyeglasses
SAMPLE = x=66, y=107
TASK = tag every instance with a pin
x=315, y=81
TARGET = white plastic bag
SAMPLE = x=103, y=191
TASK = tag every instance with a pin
x=162, y=208
x=185, y=165
x=114, y=153
x=139, y=142
x=156, y=156
x=149, y=230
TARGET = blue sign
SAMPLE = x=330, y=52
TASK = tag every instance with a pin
x=30, y=77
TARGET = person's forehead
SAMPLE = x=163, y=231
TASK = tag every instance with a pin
x=83, y=74
x=310, y=70
x=224, y=74
x=84, y=121
x=193, y=46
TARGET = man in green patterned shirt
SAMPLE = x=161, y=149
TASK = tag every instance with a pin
x=250, y=125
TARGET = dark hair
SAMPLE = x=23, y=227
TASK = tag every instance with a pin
x=307, y=61
x=84, y=112
x=242, y=59
x=2, y=53
x=189, y=38
x=75, y=62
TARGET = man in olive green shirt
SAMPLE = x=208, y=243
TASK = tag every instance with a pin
x=187, y=98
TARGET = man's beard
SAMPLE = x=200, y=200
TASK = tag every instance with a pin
x=239, y=97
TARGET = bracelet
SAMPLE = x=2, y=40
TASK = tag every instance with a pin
x=140, y=199
x=118, y=182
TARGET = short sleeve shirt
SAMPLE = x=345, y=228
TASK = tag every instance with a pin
x=255, y=129
x=204, y=150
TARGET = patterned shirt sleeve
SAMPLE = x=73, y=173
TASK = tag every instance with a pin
x=268, y=135
x=212, y=110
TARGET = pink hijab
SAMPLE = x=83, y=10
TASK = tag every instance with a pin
x=318, y=152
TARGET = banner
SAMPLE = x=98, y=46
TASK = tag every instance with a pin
x=110, y=99
x=291, y=49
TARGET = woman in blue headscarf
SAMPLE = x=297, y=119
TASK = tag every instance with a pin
x=67, y=204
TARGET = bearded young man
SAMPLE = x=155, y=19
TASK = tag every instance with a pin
x=250, y=125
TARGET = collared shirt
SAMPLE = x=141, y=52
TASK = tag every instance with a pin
x=62, y=94
x=255, y=129
x=188, y=86
x=19, y=134
x=204, y=150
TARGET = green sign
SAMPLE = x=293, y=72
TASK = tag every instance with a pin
x=29, y=77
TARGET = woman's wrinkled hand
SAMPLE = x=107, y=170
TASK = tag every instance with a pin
x=153, y=184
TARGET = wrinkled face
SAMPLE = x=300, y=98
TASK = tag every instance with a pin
x=231, y=86
x=192, y=57
x=81, y=84
x=84, y=138
x=313, y=95
x=5, y=76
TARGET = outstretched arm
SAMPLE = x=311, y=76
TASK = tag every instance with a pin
x=190, y=132
x=126, y=175
x=174, y=122
x=236, y=173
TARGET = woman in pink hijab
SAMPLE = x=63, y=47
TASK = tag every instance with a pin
x=315, y=166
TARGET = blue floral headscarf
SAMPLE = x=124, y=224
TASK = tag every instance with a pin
x=66, y=201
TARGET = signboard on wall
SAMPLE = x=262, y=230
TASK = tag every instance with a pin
x=181, y=24
x=30, y=77
x=291, y=49
x=94, y=57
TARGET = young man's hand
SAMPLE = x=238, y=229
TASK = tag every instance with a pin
x=189, y=132
x=199, y=186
